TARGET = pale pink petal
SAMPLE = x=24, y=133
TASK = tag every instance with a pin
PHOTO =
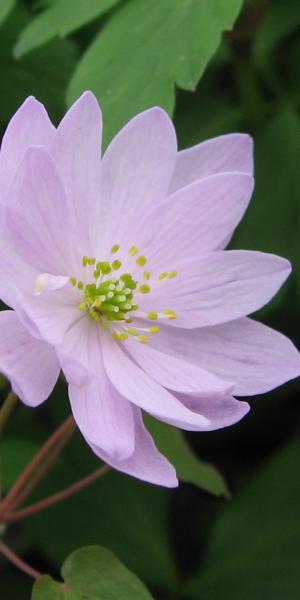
x=39, y=216
x=30, y=365
x=77, y=152
x=194, y=220
x=48, y=316
x=103, y=416
x=218, y=287
x=176, y=373
x=220, y=411
x=257, y=357
x=136, y=171
x=13, y=268
x=233, y=152
x=30, y=126
x=146, y=463
x=140, y=389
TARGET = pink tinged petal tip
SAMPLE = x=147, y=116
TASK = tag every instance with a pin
x=76, y=151
x=227, y=153
x=30, y=126
x=146, y=463
x=30, y=364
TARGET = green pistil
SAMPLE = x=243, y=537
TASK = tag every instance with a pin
x=111, y=299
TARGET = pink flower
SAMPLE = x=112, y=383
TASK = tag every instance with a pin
x=116, y=273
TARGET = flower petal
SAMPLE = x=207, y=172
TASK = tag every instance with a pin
x=219, y=287
x=77, y=152
x=140, y=389
x=175, y=373
x=37, y=212
x=257, y=357
x=48, y=316
x=30, y=126
x=30, y=365
x=233, y=152
x=103, y=416
x=146, y=463
x=199, y=217
x=136, y=171
x=221, y=411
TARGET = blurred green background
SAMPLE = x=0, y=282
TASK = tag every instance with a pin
x=185, y=544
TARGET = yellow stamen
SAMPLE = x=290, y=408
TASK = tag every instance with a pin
x=141, y=261
x=144, y=288
x=152, y=315
x=147, y=275
x=133, y=250
x=132, y=331
x=73, y=280
x=91, y=261
x=116, y=264
x=154, y=329
x=143, y=339
x=84, y=261
x=170, y=314
x=115, y=248
x=163, y=275
x=80, y=285
x=172, y=274
x=120, y=337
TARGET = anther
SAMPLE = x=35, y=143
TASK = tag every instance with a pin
x=163, y=275
x=154, y=329
x=120, y=337
x=133, y=250
x=80, y=285
x=141, y=261
x=115, y=248
x=91, y=261
x=84, y=261
x=147, y=275
x=170, y=314
x=152, y=315
x=172, y=274
x=144, y=288
x=116, y=264
x=73, y=280
x=143, y=339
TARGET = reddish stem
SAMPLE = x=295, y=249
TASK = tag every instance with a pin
x=18, y=562
x=12, y=496
x=55, y=498
x=42, y=472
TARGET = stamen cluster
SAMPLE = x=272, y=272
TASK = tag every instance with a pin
x=110, y=300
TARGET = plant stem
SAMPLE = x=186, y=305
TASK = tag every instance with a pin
x=18, y=562
x=64, y=430
x=42, y=472
x=6, y=409
x=58, y=497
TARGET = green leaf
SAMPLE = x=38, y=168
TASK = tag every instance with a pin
x=60, y=19
x=36, y=74
x=189, y=467
x=127, y=516
x=281, y=19
x=5, y=8
x=92, y=573
x=145, y=48
x=253, y=551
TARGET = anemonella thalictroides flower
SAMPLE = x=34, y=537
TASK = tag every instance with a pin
x=115, y=272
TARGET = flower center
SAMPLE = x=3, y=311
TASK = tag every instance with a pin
x=111, y=299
